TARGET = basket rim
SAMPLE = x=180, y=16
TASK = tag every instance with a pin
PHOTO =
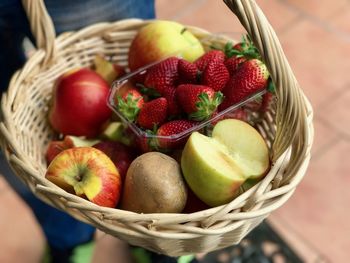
x=150, y=216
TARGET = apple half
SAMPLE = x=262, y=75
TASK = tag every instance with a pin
x=86, y=172
x=215, y=167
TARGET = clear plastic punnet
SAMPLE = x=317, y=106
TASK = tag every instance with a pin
x=135, y=80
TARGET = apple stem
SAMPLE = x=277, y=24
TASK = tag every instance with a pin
x=79, y=177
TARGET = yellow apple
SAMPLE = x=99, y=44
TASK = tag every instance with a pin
x=86, y=172
x=160, y=39
x=215, y=167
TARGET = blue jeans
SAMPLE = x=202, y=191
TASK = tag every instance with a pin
x=61, y=230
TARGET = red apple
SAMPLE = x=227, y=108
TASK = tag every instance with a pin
x=120, y=154
x=86, y=172
x=80, y=103
x=194, y=204
x=55, y=147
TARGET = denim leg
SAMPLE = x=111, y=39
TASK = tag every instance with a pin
x=67, y=15
x=61, y=230
x=13, y=28
x=70, y=15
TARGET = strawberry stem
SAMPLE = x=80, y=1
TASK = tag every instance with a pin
x=151, y=92
x=248, y=51
x=206, y=106
x=152, y=141
x=128, y=107
x=271, y=87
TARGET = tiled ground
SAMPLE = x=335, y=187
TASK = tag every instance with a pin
x=315, y=35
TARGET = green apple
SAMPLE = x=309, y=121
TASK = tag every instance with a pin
x=116, y=131
x=86, y=172
x=216, y=167
x=160, y=39
x=107, y=70
x=75, y=141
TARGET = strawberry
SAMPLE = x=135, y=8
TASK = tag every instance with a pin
x=143, y=144
x=239, y=114
x=268, y=97
x=130, y=103
x=174, y=108
x=153, y=113
x=239, y=46
x=232, y=63
x=249, y=78
x=263, y=103
x=239, y=53
x=267, y=100
x=163, y=76
x=202, y=61
x=188, y=72
x=172, y=128
x=215, y=75
x=199, y=101
x=254, y=105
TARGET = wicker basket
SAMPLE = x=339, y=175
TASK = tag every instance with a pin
x=26, y=133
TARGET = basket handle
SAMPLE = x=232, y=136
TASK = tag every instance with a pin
x=42, y=27
x=291, y=115
x=291, y=108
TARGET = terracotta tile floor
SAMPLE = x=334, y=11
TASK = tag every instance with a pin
x=316, y=38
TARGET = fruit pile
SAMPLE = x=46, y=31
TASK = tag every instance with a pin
x=153, y=154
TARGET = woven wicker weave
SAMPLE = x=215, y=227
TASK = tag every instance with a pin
x=26, y=133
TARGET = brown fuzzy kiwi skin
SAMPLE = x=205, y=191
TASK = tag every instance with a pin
x=154, y=184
